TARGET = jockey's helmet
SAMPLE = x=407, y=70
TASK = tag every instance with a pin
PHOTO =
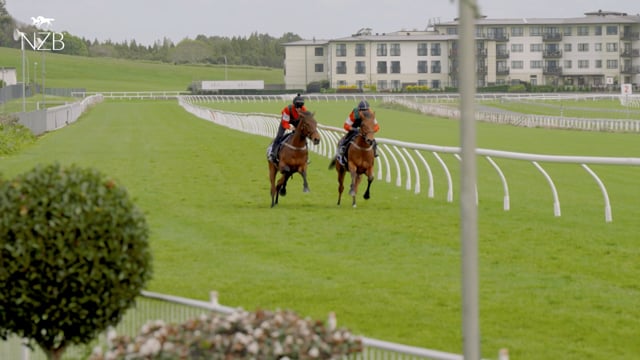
x=363, y=105
x=298, y=101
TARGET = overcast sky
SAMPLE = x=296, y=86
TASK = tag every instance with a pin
x=147, y=21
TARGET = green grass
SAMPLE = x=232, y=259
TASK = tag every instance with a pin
x=550, y=287
x=589, y=109
x=108, y=74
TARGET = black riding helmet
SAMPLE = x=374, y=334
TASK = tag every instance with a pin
x=298, y=101
x=363, y=105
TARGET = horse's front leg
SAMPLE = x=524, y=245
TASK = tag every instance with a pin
x=282, y=184
x=370, y=178
x=272, y=179
x=305, y=184
x=355, y=180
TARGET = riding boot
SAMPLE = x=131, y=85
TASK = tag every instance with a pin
x=375, y=149
x=273, y=155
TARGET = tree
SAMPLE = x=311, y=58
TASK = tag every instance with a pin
x=73, y=256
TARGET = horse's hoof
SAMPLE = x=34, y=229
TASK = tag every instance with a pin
x=306, y=190
x=283, y=192
x=366, y=196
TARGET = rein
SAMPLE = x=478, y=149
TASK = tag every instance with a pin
x=295, y=147
x=368, y=148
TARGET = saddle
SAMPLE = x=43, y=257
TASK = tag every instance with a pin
x=273, y=150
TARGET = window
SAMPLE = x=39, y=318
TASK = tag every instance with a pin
x=612, y=64
x=517, y=31
x=319, y=51
x=360, y=50
x=535, y=64
x=597, y=46
x=394, y=49
x=319, y=68
x=535, y=31
x=423, y=82
x=422, y=67
x=598, y=64
x=341, y=67
x=435, y=67
x=583, y=64
x=382, y=67
x=341, y=50
x=612, y=47
x=452, y=31
x=597, y=30
x=583, y=31
x=612, y=30
x=382, y=84
x=435, y=84
x=517, y=48
x=395, y=67
x=423, y=49
x=360, y=84
x=568, y=30
x=361, y=68
x=342, y=83
x=583, y=47
x=567, y=47
x=435, y=49
x=567, y=64
x=535, y=47
x=517, y=64
x=395, y=84
x=381, y=50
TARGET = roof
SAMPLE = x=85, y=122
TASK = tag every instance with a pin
x=596, y=17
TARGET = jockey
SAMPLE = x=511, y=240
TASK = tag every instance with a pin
x=290, y=117
x=352, y=125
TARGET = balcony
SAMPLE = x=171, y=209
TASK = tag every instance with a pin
x=552, y=37
x=552, y=70
x=629, y=36
x=482, y=70
x=498, y=37
x=630, y=53
x=552, y=54
x=630, y=70
x=502, y=71
x=481, y=52
x=504, y=54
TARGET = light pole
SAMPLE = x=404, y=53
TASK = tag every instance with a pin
x=225, y=67
x=35, y=76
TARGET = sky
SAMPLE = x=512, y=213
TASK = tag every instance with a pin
x=148, y=21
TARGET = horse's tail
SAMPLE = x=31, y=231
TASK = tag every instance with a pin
x=332, y=164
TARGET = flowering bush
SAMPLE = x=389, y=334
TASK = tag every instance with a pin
x=240, y=335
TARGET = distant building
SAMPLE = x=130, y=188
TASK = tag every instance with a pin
x=8, y=75
x=599, y=50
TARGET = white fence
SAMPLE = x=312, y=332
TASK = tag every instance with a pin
x=53, y=118
x=172, y=309
x=406, y=163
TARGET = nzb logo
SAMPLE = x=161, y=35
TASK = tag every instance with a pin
x=43, y=39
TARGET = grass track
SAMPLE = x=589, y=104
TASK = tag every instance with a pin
x=550, y=287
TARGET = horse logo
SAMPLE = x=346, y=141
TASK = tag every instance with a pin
x=42, y=21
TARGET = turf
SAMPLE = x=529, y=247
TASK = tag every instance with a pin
x=550, y=287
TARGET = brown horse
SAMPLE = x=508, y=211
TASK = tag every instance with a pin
x=360, y=157
x=293, y=156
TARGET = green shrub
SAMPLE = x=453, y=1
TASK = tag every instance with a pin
x=240, y=335
x=74, y=256
x=13, y=136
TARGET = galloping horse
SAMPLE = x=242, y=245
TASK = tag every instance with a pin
x=293, y=156
x=360, y=157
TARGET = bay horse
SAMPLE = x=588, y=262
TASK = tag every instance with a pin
x=359, y=158
x=293, y=156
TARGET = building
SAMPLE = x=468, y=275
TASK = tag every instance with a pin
x=599, y=50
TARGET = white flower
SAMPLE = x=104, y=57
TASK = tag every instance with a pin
x=253, y=348
x=150, y=347
x=277, y=348
x=257, y=333
x=314, y=352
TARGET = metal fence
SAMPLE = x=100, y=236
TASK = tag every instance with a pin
x=53, y=118
x=172, y=309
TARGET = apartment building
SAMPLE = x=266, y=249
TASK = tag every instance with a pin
x=598, y=50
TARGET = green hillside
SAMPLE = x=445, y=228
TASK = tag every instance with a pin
x=109, y=74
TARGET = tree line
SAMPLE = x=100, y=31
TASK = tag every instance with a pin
x=254, y=50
